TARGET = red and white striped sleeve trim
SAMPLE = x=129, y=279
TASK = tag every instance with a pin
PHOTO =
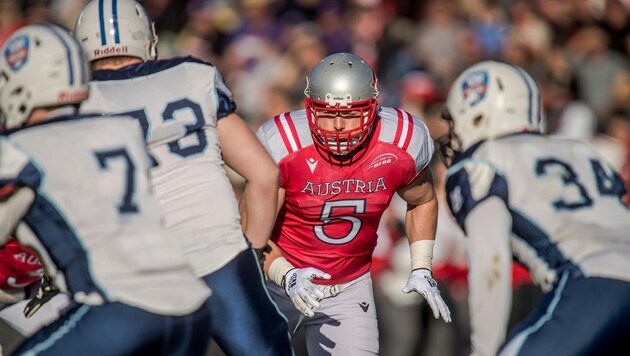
x=288, y=132
x=404, y=129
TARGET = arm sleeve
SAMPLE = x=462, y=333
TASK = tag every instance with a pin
x=488, y=228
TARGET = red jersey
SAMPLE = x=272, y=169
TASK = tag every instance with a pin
x=331, y=212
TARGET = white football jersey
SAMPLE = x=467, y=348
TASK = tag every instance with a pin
x=564, y=200
x=95, y=216
x=178, y=102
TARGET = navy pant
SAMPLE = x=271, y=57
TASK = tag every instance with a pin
x=120, y=329
x=244, y=318
x=581, y=316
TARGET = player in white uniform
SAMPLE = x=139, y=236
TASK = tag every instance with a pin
x=187, y=114
x=551, y=203
x=79, y=184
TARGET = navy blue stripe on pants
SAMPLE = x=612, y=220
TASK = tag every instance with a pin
x=245, y=320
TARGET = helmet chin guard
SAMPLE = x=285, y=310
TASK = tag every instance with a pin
x=342, y=84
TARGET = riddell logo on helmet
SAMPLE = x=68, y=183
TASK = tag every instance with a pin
x=71, y=96
x=110, y=51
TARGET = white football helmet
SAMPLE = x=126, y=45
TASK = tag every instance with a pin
x=41, y=65
x=112, y=28
x=491, y=99
x=341, y=83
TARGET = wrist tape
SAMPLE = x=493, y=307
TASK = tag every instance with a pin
x=278, y=269
x=422, y=254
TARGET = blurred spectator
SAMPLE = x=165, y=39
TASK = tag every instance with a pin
x=577, y=50
x=616, y=23
x=436, y=37
x=489, y=23
x=596, y=67
x=10, y=19
x=418, y=92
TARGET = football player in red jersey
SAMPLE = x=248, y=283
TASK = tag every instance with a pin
x=341, y=159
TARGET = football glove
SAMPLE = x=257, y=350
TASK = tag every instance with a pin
x=421, y=281
x=45, y=293
x=304, y=294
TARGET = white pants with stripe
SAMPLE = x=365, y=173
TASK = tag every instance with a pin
x=345, y=324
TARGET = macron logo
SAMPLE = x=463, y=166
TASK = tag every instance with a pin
x=312, y=163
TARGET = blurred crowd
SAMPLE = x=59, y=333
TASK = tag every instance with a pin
x=577, y=50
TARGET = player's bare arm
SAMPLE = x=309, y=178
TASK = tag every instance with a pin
x=244, y=153
x=422, y=208
x=421, y=224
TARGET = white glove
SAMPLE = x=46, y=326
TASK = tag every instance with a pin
x=421, y=281
x=304, y=294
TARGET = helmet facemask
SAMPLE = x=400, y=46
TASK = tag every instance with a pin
x=341, y=142
x=450, y=144
x=342, y=86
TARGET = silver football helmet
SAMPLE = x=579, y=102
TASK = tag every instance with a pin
x=40, y=66
x=111, y=28
x=341, y=83
x=492, y=99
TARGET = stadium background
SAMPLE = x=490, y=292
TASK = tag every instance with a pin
x=577, y=50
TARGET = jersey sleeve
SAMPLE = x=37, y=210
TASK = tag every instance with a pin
x=16, y=169
x=471, y=182
x=264, y=132
x=409, y=134
x=424, y=148
x=225, y=99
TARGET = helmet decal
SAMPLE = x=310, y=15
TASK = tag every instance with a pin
x=474, y=87
x=114, y=20
x=16, y=53
x=66, y=48
x=530, y=95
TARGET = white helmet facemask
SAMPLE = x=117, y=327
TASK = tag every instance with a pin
x=111, y=28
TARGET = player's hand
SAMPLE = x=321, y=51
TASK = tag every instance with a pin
x=304, y=294
x=421, y=281
x=46, y=292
